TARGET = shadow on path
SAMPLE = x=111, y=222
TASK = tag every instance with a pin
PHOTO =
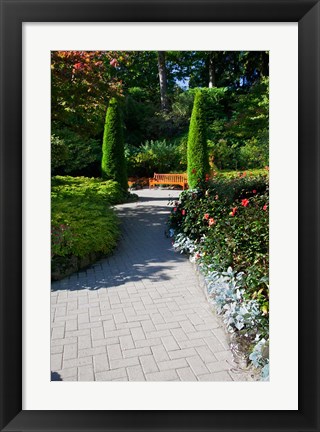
x=144, y=252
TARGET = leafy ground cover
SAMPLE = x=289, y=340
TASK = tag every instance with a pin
x=83, y=224
x=224, y=225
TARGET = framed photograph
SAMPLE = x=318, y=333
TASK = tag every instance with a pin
x=36, y=37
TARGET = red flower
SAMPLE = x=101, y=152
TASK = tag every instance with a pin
x=175, y=209
x=234, y=210
x=114, y=63
x=78, y=66
x=254, y=191
x=207, y=177
x=245, y=202
x=183, y=212
x=206, y=216
x=265, y=207
x=211, y=221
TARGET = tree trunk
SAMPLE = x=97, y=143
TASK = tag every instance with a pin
x=212, y=72
x=163, y=80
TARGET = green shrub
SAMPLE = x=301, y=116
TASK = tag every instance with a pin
x=74, y=154
x=224, y=156
x=182, y=143
x=81, y=227
x=108, y=191
x=255, y=153
x=234, y=186
x=198, y=161
x=151, y=157
x=59, y=153
x=137, y=115
x=228, y=220
x=113, y=163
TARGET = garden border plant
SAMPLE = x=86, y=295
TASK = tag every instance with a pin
x=84, y=227
x=223, y=226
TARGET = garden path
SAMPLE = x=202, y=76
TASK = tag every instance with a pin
x=141, y=314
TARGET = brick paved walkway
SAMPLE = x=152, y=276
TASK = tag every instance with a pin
x=139, y=315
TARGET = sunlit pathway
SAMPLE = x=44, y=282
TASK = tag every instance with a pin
x=140, y=315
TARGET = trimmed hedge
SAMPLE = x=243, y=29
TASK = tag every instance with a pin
x=113, y=164
x=198, y=160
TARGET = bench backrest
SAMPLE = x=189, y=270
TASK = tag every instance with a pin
x=170, y=177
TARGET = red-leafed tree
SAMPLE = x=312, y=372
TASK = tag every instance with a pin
x=82, y=82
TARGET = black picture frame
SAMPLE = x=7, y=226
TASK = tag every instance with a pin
x=13, y=14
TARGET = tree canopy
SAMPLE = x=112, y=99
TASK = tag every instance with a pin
x=156, y=91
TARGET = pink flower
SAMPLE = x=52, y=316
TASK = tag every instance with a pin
x=206, y=216
x=211, y=221
x=183, y=212
x=114, y=63
x=175, y=209
x=265, y=207
x=254, y=191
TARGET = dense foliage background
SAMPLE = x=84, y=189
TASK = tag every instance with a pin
x=156, y=113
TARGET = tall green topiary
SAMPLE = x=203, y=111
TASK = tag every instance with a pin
x=198, y=160
x=113, y=164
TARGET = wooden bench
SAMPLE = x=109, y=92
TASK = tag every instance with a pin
x=169, y=179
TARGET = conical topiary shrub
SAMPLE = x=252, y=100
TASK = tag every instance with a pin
x=113, y=164
x=198, y=160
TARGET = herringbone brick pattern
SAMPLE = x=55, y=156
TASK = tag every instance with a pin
x=139, y=315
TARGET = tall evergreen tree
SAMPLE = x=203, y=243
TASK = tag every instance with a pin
x=113, y=163
x=163, y=80
x=198, y=161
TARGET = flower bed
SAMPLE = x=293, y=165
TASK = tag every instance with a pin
x=223, y=226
